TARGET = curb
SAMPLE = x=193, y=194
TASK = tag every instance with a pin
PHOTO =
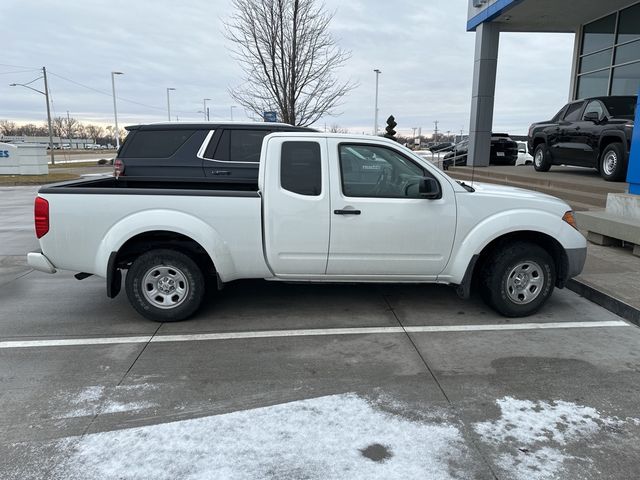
x=614, y=305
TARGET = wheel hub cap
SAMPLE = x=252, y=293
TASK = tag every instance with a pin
x=165, y=286
x=610, y=163
x=524, y=283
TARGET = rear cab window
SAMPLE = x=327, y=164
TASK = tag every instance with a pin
x=301, y=168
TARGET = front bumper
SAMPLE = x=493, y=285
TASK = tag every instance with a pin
x=576, y=258
x=38, y=261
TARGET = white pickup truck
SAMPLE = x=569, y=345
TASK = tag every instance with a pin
x=325, y=208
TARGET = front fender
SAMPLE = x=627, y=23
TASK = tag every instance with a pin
x=168, y=221
x=503, y=223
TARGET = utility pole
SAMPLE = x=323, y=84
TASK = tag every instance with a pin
x=46, y=96
x=435, y=132
x=205, y=110
x=69, y=129
x=231, y=111
x=375, y=121
x=115, y=108
x=169, y=103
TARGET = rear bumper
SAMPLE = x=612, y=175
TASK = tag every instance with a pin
x=576, y=258
x=38, y=261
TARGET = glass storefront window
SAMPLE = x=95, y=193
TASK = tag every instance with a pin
x=595, y=61
x=599, y=34
x=593, y=84
x=629, y=25
x=626, y=80
x=629, y=52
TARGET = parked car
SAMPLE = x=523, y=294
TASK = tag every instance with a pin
x=441, y=147
x=524, y=156
x=594, y=132
x=324, y=208
x=504, y=151
x=227, y=151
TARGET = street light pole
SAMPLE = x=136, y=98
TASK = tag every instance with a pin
x=375, y=121
x=231, y=109
x=46, y=96
x=205, y=110
x=115, y=108
x=169, y=103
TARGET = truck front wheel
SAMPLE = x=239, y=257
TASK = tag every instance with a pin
x=165, y=285
x=518, y=279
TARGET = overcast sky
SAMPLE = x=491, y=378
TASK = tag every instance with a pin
x=422, y=48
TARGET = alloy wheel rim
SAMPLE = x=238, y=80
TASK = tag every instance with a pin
x=165, y=286
x=525, y=282
x=610, y=163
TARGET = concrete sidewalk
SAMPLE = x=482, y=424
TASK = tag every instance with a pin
x=611, y=278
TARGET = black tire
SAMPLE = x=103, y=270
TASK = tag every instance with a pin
x=612, y=164
x=176, y=278
x=502, y=270
x=541, y=160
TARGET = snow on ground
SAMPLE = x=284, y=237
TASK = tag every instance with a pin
x=532, y=436
x=95, y=400
x=340, y=436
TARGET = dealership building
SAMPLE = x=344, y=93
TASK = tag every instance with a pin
x=606, y=58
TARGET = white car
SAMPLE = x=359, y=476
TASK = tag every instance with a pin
x=524, y=156
x=325, y=208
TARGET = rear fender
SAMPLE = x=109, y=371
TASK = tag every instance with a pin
x=169, y=221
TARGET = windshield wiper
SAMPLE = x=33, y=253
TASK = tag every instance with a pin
x=468, y=188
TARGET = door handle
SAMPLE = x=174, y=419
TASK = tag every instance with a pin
x=347, y=212
x=221, y=172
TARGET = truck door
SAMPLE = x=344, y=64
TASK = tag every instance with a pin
x=380, y=226
x=296, y=206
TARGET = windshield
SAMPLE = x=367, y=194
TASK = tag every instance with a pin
x=621, y=107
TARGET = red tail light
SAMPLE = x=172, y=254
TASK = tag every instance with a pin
x=118, y=168
x=41, y=214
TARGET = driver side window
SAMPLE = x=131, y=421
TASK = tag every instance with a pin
x=374, y=171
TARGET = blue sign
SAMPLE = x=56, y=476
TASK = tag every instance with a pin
x=633, y=172
x=270, y=116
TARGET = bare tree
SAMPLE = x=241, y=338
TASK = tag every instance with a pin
x=8, y=128
x=289, y=59
x=71, y=127
x=94, y=131
x=58, y=126
x=335, y=128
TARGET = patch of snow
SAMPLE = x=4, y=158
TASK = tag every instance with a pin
x=117, y=407
x=532, y=436
x=526, y=422
x=97, y=399
x=319, y=438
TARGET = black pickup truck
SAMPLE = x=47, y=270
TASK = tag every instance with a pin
x=226, y=151
x=594, y=132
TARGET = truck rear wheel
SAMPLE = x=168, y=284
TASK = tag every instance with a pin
x=165, y=285
x=541, y=160
x=612, y=166
x=518, y=279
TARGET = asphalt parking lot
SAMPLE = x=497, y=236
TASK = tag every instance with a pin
x=306, y=381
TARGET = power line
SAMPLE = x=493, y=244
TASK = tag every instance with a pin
x=19, y=71
x=17, y=66
x=108, y=94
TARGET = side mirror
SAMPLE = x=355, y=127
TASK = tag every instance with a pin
x=591, y=117
x=429, y=189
